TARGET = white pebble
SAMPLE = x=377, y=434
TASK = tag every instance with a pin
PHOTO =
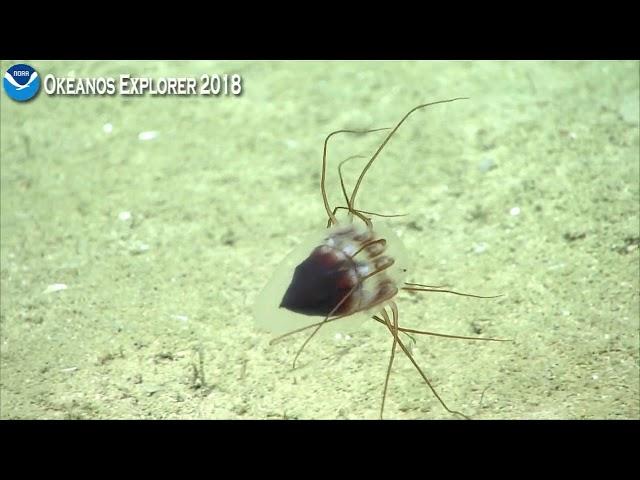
x=124, y=216
x=479, y=247
x=291, y=144
x=139, y=248
x=107, y=128
x=515, y=211
x=150, y=135
x=487, y=164
x=55, y=287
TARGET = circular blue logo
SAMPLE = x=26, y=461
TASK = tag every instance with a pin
x=21, y=82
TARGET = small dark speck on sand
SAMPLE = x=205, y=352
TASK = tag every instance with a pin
x=414, y=226
x=630, y=244
x=573, y=236
x=229, y=238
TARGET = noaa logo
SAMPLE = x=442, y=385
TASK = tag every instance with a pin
x=21, y=82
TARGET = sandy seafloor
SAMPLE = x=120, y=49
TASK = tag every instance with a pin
x=529, y=189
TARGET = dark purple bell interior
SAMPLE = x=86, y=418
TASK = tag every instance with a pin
x=318, y=285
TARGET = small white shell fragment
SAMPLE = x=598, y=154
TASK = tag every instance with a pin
x=291, y=144
x=139, y=248
x=55, y=287
x=515, y=211
x=486, y=164
x=107, y=128
x=124, y=216
x=150, y=135
x=479, y=247
x=182, y=318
